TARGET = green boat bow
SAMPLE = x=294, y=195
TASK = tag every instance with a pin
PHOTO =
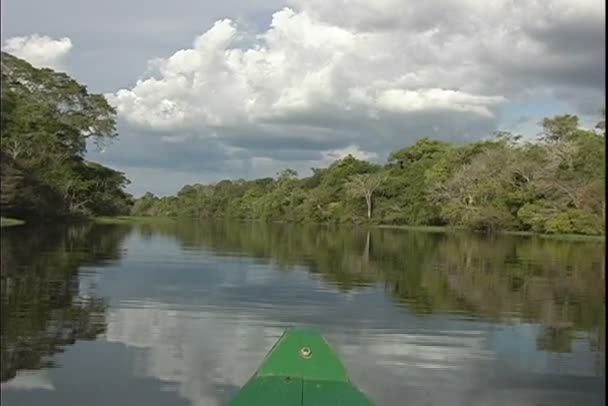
x=301, y=369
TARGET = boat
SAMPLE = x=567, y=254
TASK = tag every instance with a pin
x=301, y=369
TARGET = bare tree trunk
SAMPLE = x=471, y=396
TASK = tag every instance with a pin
x=75, y=207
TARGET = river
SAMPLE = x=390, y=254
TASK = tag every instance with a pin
x=183, y=313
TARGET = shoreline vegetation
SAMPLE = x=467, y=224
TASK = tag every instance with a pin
x=48, y=120
x=131, y=220
x=554, y=185
x=10, y=222
x=503, y=183
x=447, y=229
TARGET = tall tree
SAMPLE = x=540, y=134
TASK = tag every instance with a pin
x=364, y=185
x=559, y=128
x=601, y=125
x=47, y=119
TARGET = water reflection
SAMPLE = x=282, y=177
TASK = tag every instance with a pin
x=191, y=309
x=44, y=308
x=557, y=283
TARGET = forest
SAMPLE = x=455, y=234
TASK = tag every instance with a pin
x=554, y=184
x=47, y=121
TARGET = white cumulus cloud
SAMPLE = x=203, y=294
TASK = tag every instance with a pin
x=371, y=76
x=301, y=66
x=352, y=150
x=40, y=51
x=322, y=62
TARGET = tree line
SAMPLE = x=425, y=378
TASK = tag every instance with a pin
x=46, y=122
x=553, y=184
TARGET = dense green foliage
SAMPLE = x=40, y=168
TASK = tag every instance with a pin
x=47, y=119
x=555, y=184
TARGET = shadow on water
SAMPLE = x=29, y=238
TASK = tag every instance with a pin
x=43, y=307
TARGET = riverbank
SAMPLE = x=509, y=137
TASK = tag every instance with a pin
x=133, y=220
x=568, y=237
x=10, y=222
x=450, y=229
x=426, y=229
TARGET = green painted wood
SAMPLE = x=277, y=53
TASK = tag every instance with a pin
x=286, y=359
x=301, y=369
x=333, y=393
x=270, y=391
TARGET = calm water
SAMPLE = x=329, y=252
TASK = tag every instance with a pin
x=182, y=314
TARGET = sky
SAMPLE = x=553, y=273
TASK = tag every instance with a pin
x=206, y=91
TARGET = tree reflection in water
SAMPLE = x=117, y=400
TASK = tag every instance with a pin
x=43, y=307
x=557, y=284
